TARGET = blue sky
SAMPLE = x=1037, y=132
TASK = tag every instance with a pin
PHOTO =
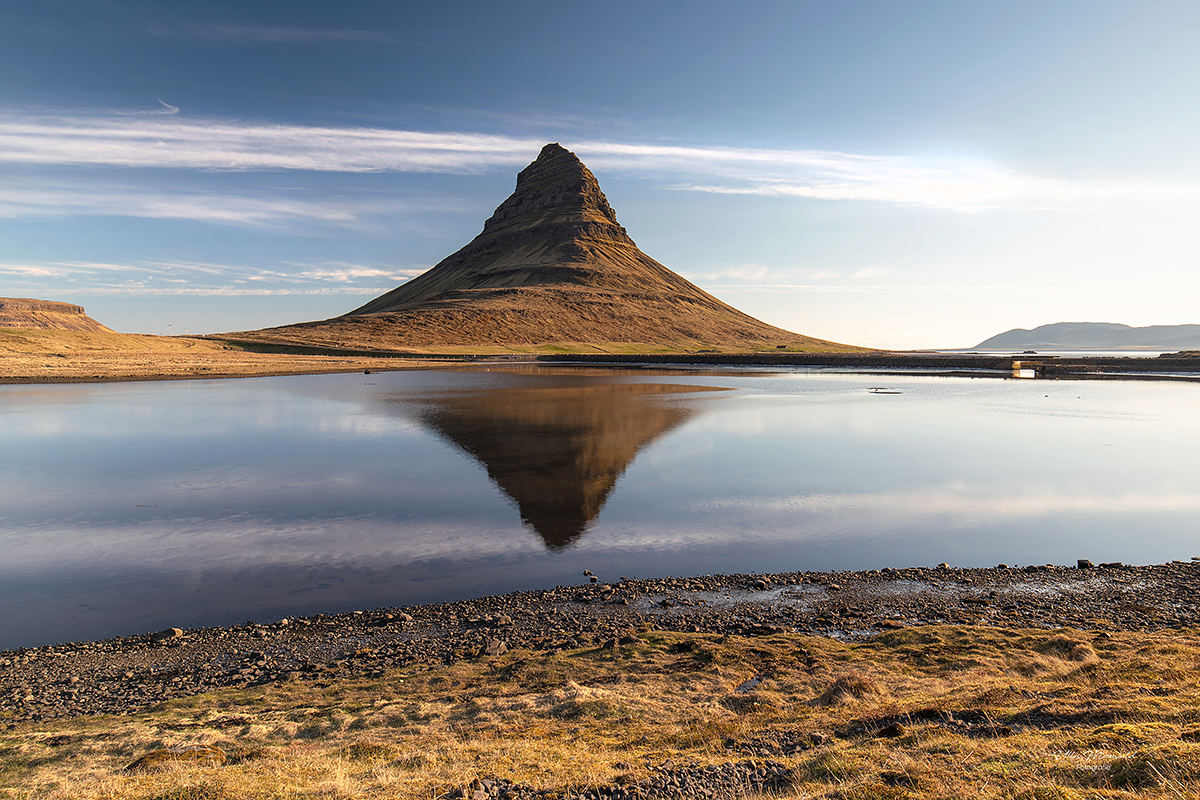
x=910, y=174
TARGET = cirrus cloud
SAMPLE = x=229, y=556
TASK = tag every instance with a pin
x=254, y=209
x=172, y=141
x=164, y=278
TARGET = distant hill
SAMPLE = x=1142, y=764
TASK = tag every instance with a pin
x=50, y=315
x=551, y=269
x=1096, y=336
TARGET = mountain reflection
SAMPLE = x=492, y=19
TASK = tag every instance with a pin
x=557, y=451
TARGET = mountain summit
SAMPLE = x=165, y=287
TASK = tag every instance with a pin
x=552, y=267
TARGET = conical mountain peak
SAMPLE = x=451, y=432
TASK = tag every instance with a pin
x=556, y=228
x=551, y=266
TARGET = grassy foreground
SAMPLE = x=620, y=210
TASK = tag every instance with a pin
x=930, y=712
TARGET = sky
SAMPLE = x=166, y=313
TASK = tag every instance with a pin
x=893, y=174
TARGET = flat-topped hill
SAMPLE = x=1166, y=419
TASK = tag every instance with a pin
x=27, y=314
x=551, y=269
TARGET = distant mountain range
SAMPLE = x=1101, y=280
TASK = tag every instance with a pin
x=1096, y=336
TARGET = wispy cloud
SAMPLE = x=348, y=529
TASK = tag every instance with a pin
x=269, y=34
x=752, y=275
x=177, y=143
x=199, y=278
x=862, y=288
x=174, y=142
x=960, y=184
x=163, y=110
x=340, y=272
x=251, y=209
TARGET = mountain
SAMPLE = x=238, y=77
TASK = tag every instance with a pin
x=551, y=267
x=1096, y=336
x=26, y=314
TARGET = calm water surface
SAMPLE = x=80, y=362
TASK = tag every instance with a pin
x=131, y=507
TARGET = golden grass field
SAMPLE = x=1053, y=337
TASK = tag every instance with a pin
x=50, y=356
x=553, y=319
x=982, y=713
x=55, y=356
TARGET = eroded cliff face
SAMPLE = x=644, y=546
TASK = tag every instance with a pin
x=27, y=314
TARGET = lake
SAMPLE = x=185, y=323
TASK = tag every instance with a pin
x=131, y=507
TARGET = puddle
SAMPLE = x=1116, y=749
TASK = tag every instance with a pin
x=798, y=596
x=1097, y=583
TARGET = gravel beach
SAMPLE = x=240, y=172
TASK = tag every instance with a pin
x=125, y=675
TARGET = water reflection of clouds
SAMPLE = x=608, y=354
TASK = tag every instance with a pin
x=238, y=541
x=190, y=410
x=964, y=504
x=199, y=545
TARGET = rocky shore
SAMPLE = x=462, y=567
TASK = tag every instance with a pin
x=128, y=674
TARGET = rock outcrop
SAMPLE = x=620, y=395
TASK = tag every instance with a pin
x=552, y=265
x=23, y=313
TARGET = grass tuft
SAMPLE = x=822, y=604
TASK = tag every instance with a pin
x=1068, y=649
x=1167, y=766
x=199, y=791
x=849, y=687
x=833, y=766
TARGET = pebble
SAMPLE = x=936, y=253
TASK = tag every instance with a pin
x=166, y=635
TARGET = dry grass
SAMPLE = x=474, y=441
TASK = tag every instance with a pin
x=64, y=356
x=555, y=319
x=37, y=356
x=18, y=341
x=934, y=712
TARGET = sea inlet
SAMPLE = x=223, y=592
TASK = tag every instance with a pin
x=131, y=507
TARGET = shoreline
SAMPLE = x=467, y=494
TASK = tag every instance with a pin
x=130, y=674
x=218, y=364
x=57, y=380
x=71, y=368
